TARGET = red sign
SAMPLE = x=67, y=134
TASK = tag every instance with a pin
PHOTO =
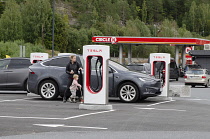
x=188, y=49
x=112, y=40
x=149, y=40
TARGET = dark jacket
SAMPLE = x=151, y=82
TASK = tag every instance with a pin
x=75, y=67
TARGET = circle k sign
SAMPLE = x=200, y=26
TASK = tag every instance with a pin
x=187, y=49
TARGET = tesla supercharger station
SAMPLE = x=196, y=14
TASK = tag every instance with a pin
x=164, y=60
x=95, y=84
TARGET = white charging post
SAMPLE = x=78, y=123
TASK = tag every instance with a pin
x=166, y=58
x=96, y=72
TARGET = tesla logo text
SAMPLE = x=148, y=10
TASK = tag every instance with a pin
x=94, y=50
x=159, y=57
x=37, y=56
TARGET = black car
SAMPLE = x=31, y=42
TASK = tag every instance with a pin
x=14, y=73
x=49, y=80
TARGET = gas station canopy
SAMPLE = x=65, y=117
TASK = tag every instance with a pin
x=149, y=40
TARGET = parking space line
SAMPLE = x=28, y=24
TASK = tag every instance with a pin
x=160, y=109
x=40, y=118
x=14, y=100
x=54, y=125
x=47, y=118
x=155, y=103
x=87, y=114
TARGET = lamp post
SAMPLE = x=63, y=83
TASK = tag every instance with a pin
x=53, y=26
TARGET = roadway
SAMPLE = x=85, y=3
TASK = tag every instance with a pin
x=23, y=117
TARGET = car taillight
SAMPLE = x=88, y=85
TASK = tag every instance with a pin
x=31, y=71
x=203, y=77
x=185, y=76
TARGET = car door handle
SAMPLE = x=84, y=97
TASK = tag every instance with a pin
x=116, y=76
x=8, y=71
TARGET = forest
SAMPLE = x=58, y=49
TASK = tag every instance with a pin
x=29, y=23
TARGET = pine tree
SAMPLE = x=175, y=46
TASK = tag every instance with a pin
x=144, y=12
x=36, y=16
x=11, y=22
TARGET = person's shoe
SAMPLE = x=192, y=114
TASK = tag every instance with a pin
x=64, y=101
x=74, y=100
x=70, y=100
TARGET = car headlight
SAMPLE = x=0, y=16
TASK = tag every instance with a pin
x=142, y=79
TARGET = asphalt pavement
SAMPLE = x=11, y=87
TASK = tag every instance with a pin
x=26, y=117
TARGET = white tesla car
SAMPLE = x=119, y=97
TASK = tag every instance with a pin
x=197, y=77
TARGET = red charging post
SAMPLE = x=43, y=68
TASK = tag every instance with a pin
x=165, y=59
x=96, y=77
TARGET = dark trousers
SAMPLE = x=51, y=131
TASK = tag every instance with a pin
x=67, y=92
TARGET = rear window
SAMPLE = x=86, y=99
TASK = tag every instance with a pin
x=196, y=72
x=60, y=62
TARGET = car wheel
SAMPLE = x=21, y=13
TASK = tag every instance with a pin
x=26, y=87
x=128, y=92
x=193, y=85
x=207, y=84
x=48, y=90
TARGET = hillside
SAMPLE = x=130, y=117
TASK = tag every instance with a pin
x=76, y=21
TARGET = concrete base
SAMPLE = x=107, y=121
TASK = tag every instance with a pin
x=95, y=107
x=179, y=91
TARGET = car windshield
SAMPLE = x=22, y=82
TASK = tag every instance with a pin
x=118, y=66
x=197, y=72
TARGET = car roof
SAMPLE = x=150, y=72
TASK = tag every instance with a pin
x=198, y=69
x=15, y=58
x=59, y=57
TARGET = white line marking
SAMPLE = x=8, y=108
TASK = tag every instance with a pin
x=54, y=125
x=160, y=109
x=14, y=100
x=87, y=114
x=47, y=118
x=160, y=103
x=40, y=118
x=196, y=99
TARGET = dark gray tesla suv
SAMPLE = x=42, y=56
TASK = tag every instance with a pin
x=49, y=80
x=14, y=73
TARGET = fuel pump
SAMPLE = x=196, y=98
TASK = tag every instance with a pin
x=96, y=77
x=160, y=68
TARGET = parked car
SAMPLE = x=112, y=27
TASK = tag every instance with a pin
x=49, y=80
x=190, y=67
x=197, y=77
x=14, y=73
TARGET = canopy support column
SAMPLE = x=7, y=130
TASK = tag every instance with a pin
x=129, y=54
x=177, y=54
x=121, y=54
x=183, y=56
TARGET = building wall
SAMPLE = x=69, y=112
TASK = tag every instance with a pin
x=204, y=62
